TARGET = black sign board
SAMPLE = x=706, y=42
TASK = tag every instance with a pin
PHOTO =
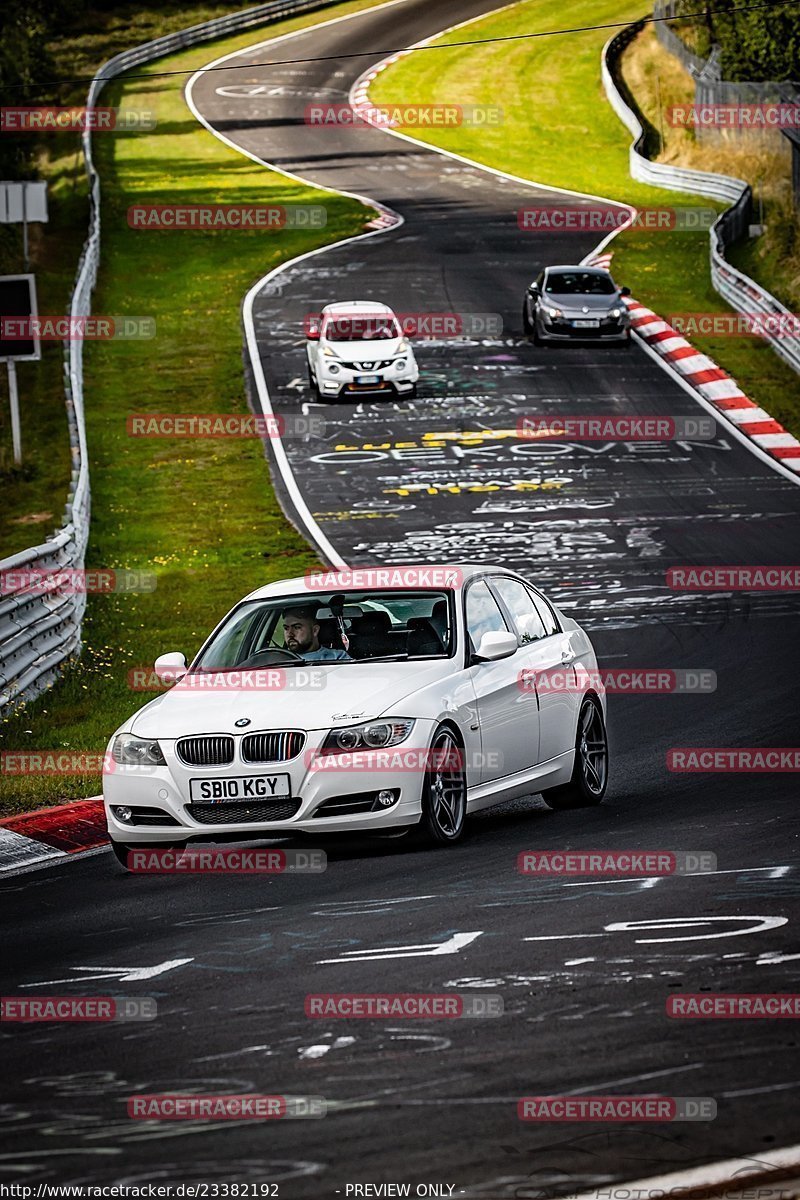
x=18, y=339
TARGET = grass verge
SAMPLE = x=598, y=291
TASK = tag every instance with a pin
x=34, y=493
x=658, y=81
x=559, y=129
x=200, y=513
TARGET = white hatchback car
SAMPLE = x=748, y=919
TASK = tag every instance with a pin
x=363, y=704
x=358, y=346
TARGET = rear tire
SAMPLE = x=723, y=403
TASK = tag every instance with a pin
x=590, y=772
x=444, y=796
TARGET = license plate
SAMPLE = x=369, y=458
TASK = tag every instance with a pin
x=238, y=788
x=368, y=378
x=588, y=324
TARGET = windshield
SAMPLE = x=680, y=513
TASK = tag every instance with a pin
x=361, y=329
x=579, y=283
x=333, y=627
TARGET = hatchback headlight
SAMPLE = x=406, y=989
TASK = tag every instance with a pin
x=401, y=364
x=137, y=752
x=326, y=350
x=332, y=367
x=372, y=735
x=553, y=312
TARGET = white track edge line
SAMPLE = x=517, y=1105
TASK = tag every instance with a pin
x=711, y=1175
x=719, y=414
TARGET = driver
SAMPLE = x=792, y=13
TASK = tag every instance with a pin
x=301, y=635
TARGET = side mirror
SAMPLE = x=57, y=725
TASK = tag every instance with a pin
x=170, y=667
x=534, y=289
x=624, y=291
x=496, y=645
x=313, y=331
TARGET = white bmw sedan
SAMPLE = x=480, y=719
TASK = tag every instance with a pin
x=365, y=700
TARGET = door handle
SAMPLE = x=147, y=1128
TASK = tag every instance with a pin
x=567, y=656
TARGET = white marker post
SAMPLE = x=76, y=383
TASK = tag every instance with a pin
x=13, y=400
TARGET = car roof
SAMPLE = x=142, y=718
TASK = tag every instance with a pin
x=347, y=578
x=578, y=267
x=341, y=306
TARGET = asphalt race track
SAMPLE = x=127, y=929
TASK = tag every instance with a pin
x=583, y=970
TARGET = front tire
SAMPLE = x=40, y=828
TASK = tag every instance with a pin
x=444, y=796
x=590, y=772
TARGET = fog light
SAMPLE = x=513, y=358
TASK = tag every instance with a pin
x=122, y=813
x=386, y=799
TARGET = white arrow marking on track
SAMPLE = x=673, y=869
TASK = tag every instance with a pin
x=768, y=957
x=452, y=946
x=123, y=974
x=664, y=924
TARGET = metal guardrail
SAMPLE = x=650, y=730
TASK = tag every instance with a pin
x=740, y=291
x=39, y=631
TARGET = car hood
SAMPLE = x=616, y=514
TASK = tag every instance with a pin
x=351, y=692
x=574, y=303
x=367, y=351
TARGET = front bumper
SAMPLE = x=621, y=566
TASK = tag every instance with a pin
x=564, y=329
x=344, y=381
x=166, y=792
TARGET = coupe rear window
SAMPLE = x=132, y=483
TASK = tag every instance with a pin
x=579, y=283
x=361, y=329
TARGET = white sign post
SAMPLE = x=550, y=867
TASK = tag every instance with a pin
x=13, y=400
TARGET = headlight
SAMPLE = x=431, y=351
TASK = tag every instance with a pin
x=332, y=367
x=401, y=364
x=326, y=350
x=616, y=312
x=136, y=751
x=372, y=735
x=553, y=312
x=403, y=347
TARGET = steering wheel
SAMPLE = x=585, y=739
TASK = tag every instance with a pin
x=271, y=657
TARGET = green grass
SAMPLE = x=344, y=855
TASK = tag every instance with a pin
x=559, y=129
x=201, y=513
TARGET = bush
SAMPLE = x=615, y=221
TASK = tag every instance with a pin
x=756, y=45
